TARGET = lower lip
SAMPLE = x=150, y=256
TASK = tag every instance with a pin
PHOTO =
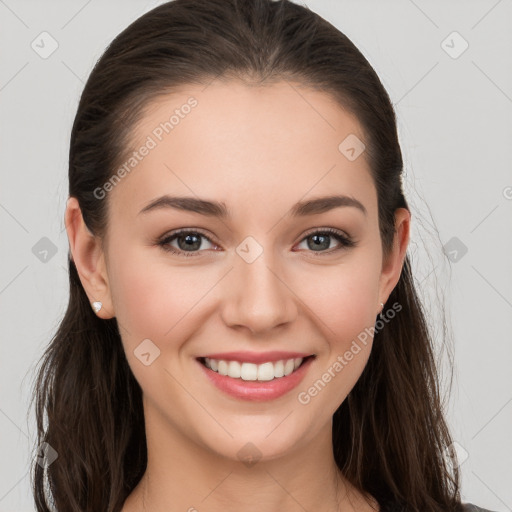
x=257, y=390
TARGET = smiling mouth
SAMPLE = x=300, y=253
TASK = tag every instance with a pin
x=254, y=372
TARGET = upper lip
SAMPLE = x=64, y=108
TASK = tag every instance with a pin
x=257, y=357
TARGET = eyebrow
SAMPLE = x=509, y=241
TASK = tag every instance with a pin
x=220, y=210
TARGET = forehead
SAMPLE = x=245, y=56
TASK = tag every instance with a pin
x=242, y=144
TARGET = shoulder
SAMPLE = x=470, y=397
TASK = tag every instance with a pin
x=469, y=507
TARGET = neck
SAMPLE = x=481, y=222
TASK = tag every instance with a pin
x=183, y=476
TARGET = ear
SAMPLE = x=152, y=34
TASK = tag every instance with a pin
x=88, y=256
x=392, y=266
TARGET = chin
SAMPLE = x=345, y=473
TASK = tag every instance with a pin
x=251, y=446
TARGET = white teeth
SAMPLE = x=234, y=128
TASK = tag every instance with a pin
x=279, y=369
x=234, y=369
x=288, y=367
x=266, y=371
x=223, y=367
x=251, y=371
x=248, y=371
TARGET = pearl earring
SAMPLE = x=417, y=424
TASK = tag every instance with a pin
x=96, y=306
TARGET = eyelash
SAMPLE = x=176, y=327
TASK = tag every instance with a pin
x=345, y=241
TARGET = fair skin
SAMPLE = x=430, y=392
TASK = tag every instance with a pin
x=260, y=150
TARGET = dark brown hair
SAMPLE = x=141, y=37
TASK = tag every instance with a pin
x=389, y=435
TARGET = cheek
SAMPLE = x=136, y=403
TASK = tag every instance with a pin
x=343, y=298
x=343, y=308
x=155, y=301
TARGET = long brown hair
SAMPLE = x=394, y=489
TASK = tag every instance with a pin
x=389, y=436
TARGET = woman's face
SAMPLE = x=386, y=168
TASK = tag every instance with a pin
x=264, y=277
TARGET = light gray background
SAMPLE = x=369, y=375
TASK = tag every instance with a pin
x=455, y=123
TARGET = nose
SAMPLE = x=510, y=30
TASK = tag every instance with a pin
x=258, y=297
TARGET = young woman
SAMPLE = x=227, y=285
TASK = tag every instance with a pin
x=243, y=331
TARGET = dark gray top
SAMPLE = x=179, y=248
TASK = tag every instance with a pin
x=469, y=507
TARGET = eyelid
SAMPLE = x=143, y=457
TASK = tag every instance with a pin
x=329, y=230
x=187, y=230
x=165, y=239
x=344, y=239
